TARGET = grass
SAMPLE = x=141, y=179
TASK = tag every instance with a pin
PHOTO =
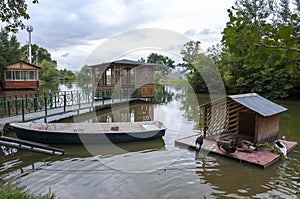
x=174, y=82
x=10, y=192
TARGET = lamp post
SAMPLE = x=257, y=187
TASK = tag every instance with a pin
x=29, y=30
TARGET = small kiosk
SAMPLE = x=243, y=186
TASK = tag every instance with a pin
x=20, y=75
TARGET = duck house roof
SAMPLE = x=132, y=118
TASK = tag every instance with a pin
x=258, y=104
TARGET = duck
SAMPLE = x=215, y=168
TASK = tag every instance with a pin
x=199, y=142
x=229, y=146
x=246, y=145
x=281, y=147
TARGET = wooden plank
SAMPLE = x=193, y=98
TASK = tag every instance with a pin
x=30, y=146
x=263, y=157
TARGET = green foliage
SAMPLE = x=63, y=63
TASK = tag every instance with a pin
x=205, y=75
x=9, y=50
x=275, y=150
x=84, y=76
x=158, y=76
x=165, y=64
x=67, y=75
x=190, y=50
x=48, y=73
x=261, y=49
x=265, y=145
x=38, y=54
x=11, y=192
x=13, y=12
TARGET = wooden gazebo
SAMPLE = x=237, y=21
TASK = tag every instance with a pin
x=124, y=74
x=246, y=115
x=21, y=75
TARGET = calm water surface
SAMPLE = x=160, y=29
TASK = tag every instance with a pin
x=155, y=168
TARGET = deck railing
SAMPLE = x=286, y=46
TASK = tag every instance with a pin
x=21, y=105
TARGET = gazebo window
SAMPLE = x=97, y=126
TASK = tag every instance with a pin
x=108, y=77
x=132, y=76
x=125, y=74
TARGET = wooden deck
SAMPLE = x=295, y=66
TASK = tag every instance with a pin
x=263, y=157
x=57, y=113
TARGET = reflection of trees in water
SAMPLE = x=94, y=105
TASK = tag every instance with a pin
x=45, y=88
x=84, y=86
x=163, y=94
x=190, y=104
x=69, y=85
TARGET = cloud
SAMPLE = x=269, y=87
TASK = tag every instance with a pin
x=65, y=55
x=77, y=26
x=205, y=36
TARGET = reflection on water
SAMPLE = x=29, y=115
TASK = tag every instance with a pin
x=155, y=168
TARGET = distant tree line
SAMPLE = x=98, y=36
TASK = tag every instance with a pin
x=11, y=51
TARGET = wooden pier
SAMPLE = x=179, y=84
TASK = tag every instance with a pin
x=61, y=112
x=263, y=157
x=54, y=106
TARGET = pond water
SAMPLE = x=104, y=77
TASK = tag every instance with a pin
x=155, y=168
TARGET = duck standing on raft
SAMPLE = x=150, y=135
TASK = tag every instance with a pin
x=281, y=147
x=199, y=142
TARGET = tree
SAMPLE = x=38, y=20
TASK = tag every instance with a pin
x=262, y=47
x=84, y=76
x=190, y=51
x=67, y=75
x=38, y=54
x=12, y=12
x=165, y=64
x=9, y=50
x=194, y=62
x=48, y=72
x=142, y=60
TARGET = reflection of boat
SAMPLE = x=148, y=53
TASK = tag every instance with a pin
x=76, y=133
x=109, y=149
x=26, y=161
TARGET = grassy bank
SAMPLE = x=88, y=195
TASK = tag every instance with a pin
x=10, y=192
x=174, y=82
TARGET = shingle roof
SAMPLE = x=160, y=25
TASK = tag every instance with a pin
x=258, y=104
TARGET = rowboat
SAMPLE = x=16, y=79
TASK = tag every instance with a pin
x=87, y=133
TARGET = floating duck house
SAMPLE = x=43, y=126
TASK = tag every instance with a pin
x=124, y=74
x=246, y=115
x=20, y=75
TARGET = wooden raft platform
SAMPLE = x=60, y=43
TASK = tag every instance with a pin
x=263, y=157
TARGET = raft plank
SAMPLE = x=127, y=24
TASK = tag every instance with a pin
x=263, y=157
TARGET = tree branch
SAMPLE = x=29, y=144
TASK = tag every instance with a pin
x=280, y=47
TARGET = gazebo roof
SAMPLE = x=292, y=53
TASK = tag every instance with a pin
x=124, y=62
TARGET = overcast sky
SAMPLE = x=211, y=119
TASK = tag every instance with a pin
x=71, y=29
